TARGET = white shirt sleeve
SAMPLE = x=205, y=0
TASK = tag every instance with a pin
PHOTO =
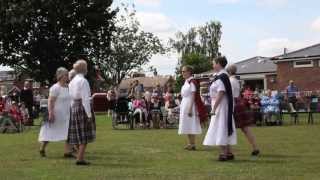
x=220, y=86
x=193, y=87
x=85, y=96
x=54, y=91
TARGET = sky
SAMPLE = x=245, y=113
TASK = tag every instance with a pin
x=249, y=27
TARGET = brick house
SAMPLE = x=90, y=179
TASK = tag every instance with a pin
x=301, y=66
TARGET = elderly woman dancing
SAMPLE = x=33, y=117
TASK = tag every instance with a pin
x=56, y=129
x=82, y=128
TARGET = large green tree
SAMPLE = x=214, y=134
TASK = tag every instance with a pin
x=197, y=47
x=38, y=36
x=131, y=47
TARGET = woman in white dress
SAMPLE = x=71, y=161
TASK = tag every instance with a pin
x=56, y=128
x=189, y=120
x=221, y=131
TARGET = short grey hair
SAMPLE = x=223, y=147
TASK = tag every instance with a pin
x=232, y=69
x=72, y=74
x=80, y=66
x=61, y=71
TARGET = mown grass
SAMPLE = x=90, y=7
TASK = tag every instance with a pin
x=288, y=152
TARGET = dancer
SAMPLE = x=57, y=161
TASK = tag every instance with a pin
x=189, y=120
x=56, y=128
x=244, y=117
x=221, y=130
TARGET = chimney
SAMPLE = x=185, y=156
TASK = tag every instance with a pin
x=285, y=51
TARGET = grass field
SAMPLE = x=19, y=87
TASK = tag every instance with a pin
x=288, y=152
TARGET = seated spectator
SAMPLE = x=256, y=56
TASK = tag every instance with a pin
x=2, y=106
x=170, y=103
x=15, y=113
x=24, y=113
x=269, y=108
x=247, y=94
x=255, y=105
x=139, y=110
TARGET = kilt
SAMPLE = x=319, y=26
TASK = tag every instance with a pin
x=243, y=116
x=81, y=131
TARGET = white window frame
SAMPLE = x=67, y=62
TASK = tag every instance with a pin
x=304, y=65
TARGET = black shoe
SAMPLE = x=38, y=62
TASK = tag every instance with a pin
x=230, y=157
x=69, y=155
x=82, y=163
x=255, y=153
x=42, y=153
x=222, y=157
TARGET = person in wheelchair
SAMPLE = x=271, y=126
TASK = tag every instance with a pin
x=140, y=111
x=170, y=104
x=122, y=109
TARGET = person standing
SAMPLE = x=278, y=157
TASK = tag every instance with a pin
x=221, y=130
x=82, y=128
x=243, y=116
x=292, y=91
x=56, y=128
x=189, y=120
x=26, y=96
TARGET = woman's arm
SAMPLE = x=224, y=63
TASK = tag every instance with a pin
x=51, y=103
x=191, y=103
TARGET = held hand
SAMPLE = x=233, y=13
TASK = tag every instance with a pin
x=190, y=114
x=51, y=117
x=89, y=119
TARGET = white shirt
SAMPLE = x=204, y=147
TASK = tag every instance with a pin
x=79, y=88
x=235, y=86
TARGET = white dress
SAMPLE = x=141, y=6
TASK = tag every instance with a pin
x=217, y=134
x=58, y=130
x=188, y=125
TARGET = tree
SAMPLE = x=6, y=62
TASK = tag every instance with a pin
x=131, y=47
x=197, y=48
x=38, y=36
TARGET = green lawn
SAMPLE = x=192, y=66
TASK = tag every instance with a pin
x=288, y=152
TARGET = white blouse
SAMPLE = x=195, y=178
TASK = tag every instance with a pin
x=79, y=88
x=235, y=86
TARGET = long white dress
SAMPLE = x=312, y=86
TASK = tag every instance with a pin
x=188, y=125
x=58, y=130
x=217, y=134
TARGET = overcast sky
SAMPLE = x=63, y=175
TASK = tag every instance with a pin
x=250, y=27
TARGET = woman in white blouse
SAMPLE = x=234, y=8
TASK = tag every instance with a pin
x=56, y=129
x=82, y=128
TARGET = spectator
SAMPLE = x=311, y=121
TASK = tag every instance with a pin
x=15, y=113
x=139, y=110
x=26, y=96
x=24, y=113
x=292, y=92
x=270, y=108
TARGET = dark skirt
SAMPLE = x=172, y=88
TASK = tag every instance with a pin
x=81, y=131
x=243, y=116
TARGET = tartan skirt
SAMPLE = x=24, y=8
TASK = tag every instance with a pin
x=81, y=131
x=243, y=116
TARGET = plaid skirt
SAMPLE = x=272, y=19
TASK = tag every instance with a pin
x=81, y=131
x=243, y=116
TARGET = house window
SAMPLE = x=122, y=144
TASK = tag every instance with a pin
x=300, y=64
